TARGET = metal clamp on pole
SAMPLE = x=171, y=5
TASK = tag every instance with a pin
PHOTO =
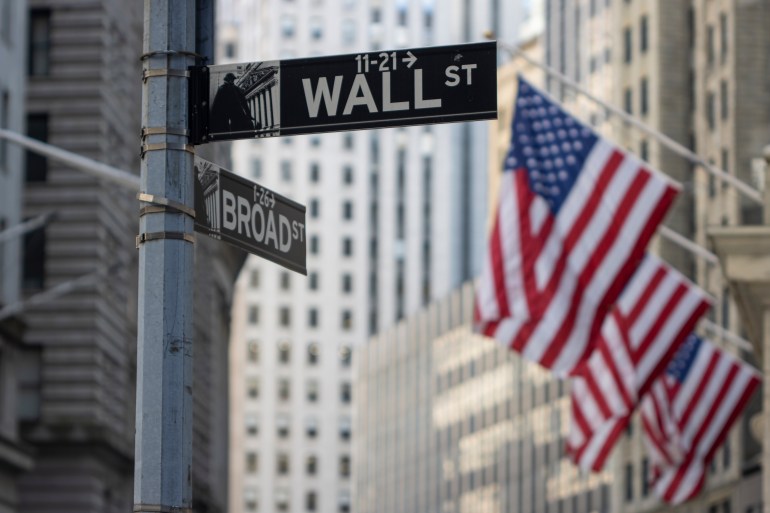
x=144, y=237
x=164, y=72
x=162, y=130
x=170, y=53
x=166, y=146
x=159, y=508
x=157, y=204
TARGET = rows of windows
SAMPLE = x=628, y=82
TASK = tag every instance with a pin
x=346, y=285
x=284, y=353
x=283, y=465
x=313, y=318
x=283, y=426
x=251, y=502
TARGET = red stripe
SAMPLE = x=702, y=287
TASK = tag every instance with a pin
x=698, y=395
x=734, y=414
x=673, y=487
x=579, y=419
x=596, y=392
x=655, y=330
x=599, y=254
x=498, y=266
x=546, y=295
x=644, y=298
x=616, y=376
x=609, y=443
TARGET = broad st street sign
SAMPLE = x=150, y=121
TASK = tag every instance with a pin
x=344, y=92
x=249, y=216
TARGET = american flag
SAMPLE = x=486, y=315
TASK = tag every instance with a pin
x=574, y=217
x=656, y=311
x=688, y=413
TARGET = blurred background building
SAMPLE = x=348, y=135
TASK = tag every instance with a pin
x=68, y=360
x=395, y=218
x=15, y=456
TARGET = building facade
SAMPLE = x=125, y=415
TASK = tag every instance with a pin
x=394, y=219
x=449, y=421
x=15, y=455
x=690, y=70
x=78, y=377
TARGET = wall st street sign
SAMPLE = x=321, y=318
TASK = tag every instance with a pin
x=345, y=92
x=249, y=216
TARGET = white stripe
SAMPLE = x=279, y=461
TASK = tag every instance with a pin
x=583, y=399
x=698, y=368
x=672, y=326
x=510, y=245
x=538, y=213
x=597, y=443
x=652, y=309
x=705, y=402
x=621, y=358
x=485, y=290
x=638, y=283
x=508, y=329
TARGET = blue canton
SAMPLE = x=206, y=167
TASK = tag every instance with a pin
x=681, y=363
x=549, y=144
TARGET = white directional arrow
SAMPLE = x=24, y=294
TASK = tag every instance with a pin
x=409, y=60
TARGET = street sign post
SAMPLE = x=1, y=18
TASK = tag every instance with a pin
x=249, y=216
x=346, y=92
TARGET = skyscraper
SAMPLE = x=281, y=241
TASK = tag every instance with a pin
x=395, y=218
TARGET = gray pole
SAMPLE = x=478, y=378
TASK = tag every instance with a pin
x=163, y=467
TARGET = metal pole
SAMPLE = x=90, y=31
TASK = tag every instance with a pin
x=163, y=466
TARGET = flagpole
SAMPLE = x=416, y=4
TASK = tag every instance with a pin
x=671, y=144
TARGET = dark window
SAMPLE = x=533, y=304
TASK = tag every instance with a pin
x=34, y=259
x=285, y=280
x=251, y=462
x=285, y=170
x=312, y=317
x=347, y=141
x=347, y=319
x=723, y=100
x=314, y=245
x=628, y=100
x=644, y=150
x=347, y=210
x=284, y=316
x=4, y=108
x=39, y=42
x=347, y=246
x=284, y=352
x=253, y=314
x=726, y=455
x=643, y=34
x=347, y=175
x=310, y=501
x=313, y=281
x=345, y=393
x=345, y=356
x=312, y=353
x=230, y=50
x=315, y=172
x=344, y=466
x=643, y=103
x=311, y=465
x=37, y=165
x=347, y=283
x=254, y=282
x=710, y=44
x=644, y=477
x=315, y=208
x=627, y=44
x=723, y=37
x=711, y=110
x=282, y=463
x=629, y=482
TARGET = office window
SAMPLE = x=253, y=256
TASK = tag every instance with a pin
x=252, y=424
x=710, y=44
x=313, y=353
x=347, y=246
x=628, y=44
x=284, y=389
x=711, y=110
x=285, y=170
x=643, y=43
x=253, y=314
x=347, y=283
x=282, y=425
x=310, y=501
x=344, y=466
x=343, y=503
x=5, y=19
x=723, y=37
x=252, y=387
x=284, y=352
x=344, y=428
x=347, y=175
x=644, y=149
x=376, y=15
x=347, y=320
x=723, y=100
x=345, y=356
x=253, y=351
x=288, y=25
x=312, y=317
x=316, y=28
x=256, y=168
x=311, y=427
x=314, y=245
x=254, y=279
x=315, y=172
x=645, y=477
x=315, y=208
x=629, y=484
x=33, y=273
x=311, y=392
x=37, y=165
x=643, y=103
x=285, y=280
x=628, y=100
x=282, y=496
x=315, y=141
x=39, y=53
x=311, y=465
x=726, y=454
x=250, y=501
x=284, y=316
x=347, y=210
x=345, y=392
x=251, y=463
x=347, y=141
x=282, y=463
x=312, y=280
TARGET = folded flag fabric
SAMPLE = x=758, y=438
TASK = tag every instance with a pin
x=656, y=312
x=688, y=412
x=574, y=217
